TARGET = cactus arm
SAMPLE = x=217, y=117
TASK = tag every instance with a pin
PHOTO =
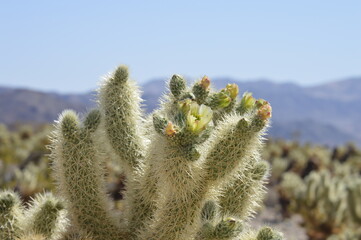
x=80, y=178
x=177, y=86
x=225, y=230
x=122, y=124
x=178, y=184
x=46, y=216
x=11, y=214
x=267, y=233
x=240, y=197
x=120, y=107
x=209, y=211
x=145, y=193
x=201, y=90
x=233, y=143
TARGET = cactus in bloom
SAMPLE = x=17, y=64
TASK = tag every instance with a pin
x=199, y=149
x=193, y=169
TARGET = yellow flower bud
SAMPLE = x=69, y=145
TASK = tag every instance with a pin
x=248, y=101
x=222, y=99
x=232, y=89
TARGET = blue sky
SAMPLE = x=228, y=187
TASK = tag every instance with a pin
x=66, y=46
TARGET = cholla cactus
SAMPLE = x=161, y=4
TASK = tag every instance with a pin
x=193, y=168
x=328, y=204
x=24, y=164
x=354, y=199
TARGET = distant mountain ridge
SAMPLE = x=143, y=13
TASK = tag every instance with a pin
x=326, y=114
x=23, y=105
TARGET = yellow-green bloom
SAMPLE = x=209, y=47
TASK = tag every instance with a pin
x=222, y=99
x=248, y=101
x=232, y=90
x=198, y=117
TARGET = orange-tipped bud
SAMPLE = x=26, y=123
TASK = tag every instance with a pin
x=260, y=102
x=205, y=82
x=265, y=111
x=169, y=130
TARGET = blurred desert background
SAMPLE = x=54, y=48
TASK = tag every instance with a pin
x=304, y=58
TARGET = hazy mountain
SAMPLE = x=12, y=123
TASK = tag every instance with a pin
x=24, y=106
x=347, y=90
x=311, y=131
x=152, y=91
x=328, y=113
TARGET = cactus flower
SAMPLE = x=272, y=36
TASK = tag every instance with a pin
x=198, y=117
